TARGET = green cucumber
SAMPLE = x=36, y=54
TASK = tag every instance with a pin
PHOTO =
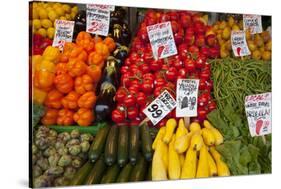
x=139, y=170
x=110, y=152
x=90, y=129
x=96, y=173
x=81, y=174
x=149, y=172
x=125, y=173
x=97, y=146
x=146, y=142
x=123, y=142
x=111, y=174
x=134, y=144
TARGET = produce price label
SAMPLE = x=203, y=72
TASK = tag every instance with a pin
x=258, y=112
x=160, y=107
x=239, y=43
x=98, y=18
x=63, y=33
x=187, y=95
x=162, y=40
x=252, y=23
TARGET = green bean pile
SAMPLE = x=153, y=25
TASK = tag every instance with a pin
x=234, y=79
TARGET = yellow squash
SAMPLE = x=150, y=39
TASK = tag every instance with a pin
x=221, y=165
x=190, y=164
x=181, y=130
x=159, y=171
x=170, y=127
x=174, y=168
x=203, y=167
x=196, y=141
x=158, y=137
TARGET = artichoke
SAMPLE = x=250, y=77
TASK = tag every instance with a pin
x=75, y=150
x=86, y=137
x=64, y=161
x=49, y=151
x=36, y=171
x=53, y=159
x=34, y=149
x=53, y=133
x=43, y=163
x=42, y=181
x=72, y=142
x=54, y=171
x=59, y=145
x=42, y=143
x=62, y=151
x=85, y=146
x=60, y=181
x=69, y=172
x=77, y=162
x=75, y=134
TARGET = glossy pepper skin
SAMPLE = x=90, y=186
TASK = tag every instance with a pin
x=51, y=53
x=39, y=95
x=53, y=99
x=84, y=84
x=84, y=40
x=94, y=72
x=70, y=101
x=87, y=100
x=76, y=67
x=50, y=117
x=64, y=83
x=65, y=117
x=84, y=117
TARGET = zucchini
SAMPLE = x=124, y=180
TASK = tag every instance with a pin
x=90, y=129
x=139, y=170
x=134, y=144
x=124, y=175
x=81, y=174
x=96, y=173
x=146, y=142
x=123, y=145
x=111, y=174
x=97, y=146
x=149, y=172
x=110, y=152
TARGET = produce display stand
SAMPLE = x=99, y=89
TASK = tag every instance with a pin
x=126, y=94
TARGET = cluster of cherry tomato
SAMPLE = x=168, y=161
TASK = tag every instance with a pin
x=143, y=78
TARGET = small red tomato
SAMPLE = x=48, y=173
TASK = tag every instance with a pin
x=117, y=116
x=201, y=113
x=160, y=82
x=199, y=63
x=182, y=72
x=124, y=69
x=171, y=74
x=202, y=84
x=132, y=112
x=205, y=75
x=129, y=100
x=157, y=91
x=212, y=105
x=147, y=86
x=141, y=98
x=127, y=62
x=165, y=67
x=120, y=94
x=148, y=76
x=145, y=68
x=202, y=100
x=156, y=65
x=189, y=64
x=148, y=57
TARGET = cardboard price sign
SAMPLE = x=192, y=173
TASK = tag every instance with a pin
x=239, y=43
x=160, y=107
x=258, y=112
x=252, y=23
x=63, y=33
x=187, y=95
x=98, y=18
x=162, y=40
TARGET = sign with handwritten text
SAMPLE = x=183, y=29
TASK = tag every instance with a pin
x=252, y=23
x=63, y=33
x=258, y=112
x=239, y=43
x=162, y=40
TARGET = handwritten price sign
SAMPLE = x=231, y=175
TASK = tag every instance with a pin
x=63, y=33
x=98, y=18
x=160, y=107
x=162, y=40
x=239, y=43
x=187, y=95
x=258, y=112
x=252, y=23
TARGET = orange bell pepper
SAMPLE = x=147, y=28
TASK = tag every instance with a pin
x=84, y=117
x=102, y=49
x=76, y=67
x=110, y=43
x=65, y=117
x=64, y=83
x=96, y=59
x=82, y=36
x=53, y=99
x=84, y=40
x=84, y=84
x=87, y=100
x=70, y=100
x=61, y=68
x=50, y=117
x=95, y=72
x=43, y=79
x=78, y=53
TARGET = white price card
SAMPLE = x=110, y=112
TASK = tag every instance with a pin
x=63, y=33
x=258, y=112
x=239, y=43
x=187, y=95
x=160, y=107
x=98, y=19
x=162, y=40
x=252, y=23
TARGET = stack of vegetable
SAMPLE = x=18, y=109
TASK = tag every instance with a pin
x=39, y=44
x=233, y=80
x=259, y=44
x=185, y=154
x=71, y=90
x=143, y=78
x=44, y=15
x=57, y=157
x=115, y=156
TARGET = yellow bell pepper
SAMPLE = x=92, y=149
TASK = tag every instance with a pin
x=39, y=95
x=51, y=54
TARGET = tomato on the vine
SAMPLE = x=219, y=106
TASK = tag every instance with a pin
x=132, y=112
x=118, y=116
x=129, y=100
